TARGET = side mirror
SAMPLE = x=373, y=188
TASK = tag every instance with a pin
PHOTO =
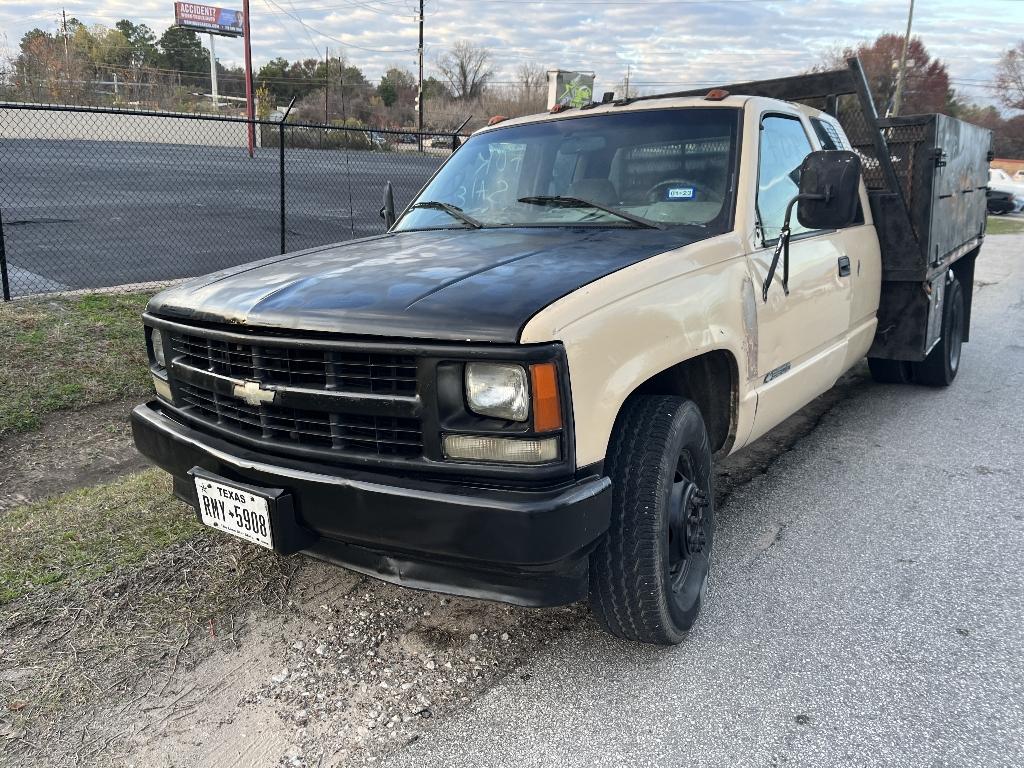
x=387, y=211
x=829, y=187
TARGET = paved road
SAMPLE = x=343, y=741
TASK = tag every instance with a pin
x=88, y=214
x=867, y=605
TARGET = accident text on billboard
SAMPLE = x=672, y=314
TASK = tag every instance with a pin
x=208, y=18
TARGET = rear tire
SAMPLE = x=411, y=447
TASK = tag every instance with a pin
x=649, y=573
x=941, y=366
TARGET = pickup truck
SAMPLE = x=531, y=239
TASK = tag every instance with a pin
x=518, y=391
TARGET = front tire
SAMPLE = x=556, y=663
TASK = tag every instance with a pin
x=648, y=575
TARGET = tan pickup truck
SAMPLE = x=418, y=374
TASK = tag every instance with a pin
x=518, y=391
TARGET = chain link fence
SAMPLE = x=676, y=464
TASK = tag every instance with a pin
x=96, y=198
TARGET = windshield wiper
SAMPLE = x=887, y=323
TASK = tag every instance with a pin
x=561, y=201
x=451, y=210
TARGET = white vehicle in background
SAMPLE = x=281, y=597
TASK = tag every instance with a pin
x=1000, y=181
x=1019, y=176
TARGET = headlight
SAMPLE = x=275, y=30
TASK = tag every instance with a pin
x=156, y=340
x=498, y=390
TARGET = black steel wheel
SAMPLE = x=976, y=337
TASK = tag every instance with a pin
x=648, y=576
x=941, y=366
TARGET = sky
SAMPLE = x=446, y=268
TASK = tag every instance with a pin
x=664, y=44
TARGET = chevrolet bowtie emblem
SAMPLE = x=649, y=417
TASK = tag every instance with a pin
x=252, y=393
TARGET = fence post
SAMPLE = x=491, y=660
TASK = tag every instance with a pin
x=280, y=146
x=3, y=262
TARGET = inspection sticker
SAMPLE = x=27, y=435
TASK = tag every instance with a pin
x=680, y=193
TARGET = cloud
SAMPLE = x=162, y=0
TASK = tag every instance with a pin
x=665, y=44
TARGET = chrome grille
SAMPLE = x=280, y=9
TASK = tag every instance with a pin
x=335, y=432
x=334, y=370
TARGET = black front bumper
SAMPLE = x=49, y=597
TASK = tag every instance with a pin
x=528, y=547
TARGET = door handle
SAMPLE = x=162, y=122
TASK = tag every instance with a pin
x=844, y=266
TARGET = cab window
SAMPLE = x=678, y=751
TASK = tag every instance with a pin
x=784, y=145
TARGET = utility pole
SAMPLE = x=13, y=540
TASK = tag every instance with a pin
x=901, y=75
x=327, y=82
x=67, y=55
x=213, y=75
x=419, y=98
x=250, y=109
x=64, y=34
x=626, y=96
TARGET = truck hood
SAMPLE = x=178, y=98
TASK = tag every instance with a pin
x=465, y=284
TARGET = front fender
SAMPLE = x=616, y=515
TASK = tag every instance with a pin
x=627, y=327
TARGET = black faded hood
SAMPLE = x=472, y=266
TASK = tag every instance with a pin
x=465, y=284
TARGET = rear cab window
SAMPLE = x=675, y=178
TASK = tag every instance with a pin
x=828, y=134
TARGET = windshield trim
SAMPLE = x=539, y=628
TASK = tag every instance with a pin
x=728, y=207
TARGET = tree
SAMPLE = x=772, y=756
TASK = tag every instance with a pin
x=142, y=50
x=397, y=85
x=181, y=51
x=434, y=89
x=926, y=86
x=38, y=65
x=533, y=79
x=1010, y=77
x=466, y=68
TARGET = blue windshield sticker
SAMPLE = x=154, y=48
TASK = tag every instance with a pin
x=680, y=193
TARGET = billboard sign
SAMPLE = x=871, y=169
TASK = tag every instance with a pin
x=208, y=18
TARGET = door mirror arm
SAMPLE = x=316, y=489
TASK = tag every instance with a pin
x=782, y=246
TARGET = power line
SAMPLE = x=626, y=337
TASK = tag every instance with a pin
x=338, y=39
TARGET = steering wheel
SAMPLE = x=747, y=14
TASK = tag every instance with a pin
x=656, y=193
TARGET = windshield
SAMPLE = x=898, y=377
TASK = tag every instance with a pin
x=665, y=168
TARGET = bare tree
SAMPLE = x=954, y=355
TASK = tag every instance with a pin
x=532, y=78
x=466, y=68
x=1010, y=77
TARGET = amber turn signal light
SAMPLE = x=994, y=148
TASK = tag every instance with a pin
x=547, y=409
x=716, y=94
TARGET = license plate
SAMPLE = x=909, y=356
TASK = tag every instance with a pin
x=234, y=510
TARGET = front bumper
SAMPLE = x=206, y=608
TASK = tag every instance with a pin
x=528, y=547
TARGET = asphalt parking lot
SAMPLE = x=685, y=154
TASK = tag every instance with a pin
x=90, y=214
x=866, y=607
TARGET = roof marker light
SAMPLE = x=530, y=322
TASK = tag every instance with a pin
x=716, y=94
x=497, y=119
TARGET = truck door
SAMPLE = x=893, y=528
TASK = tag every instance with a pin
x=801, y=336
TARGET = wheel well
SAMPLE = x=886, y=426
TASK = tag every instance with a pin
x=710, y=381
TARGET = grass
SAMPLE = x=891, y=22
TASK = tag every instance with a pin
x=1001, y=225
x=69, y=352
x=85, y=534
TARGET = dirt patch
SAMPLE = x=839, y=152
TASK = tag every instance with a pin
x=218, y=654
x=79, y=663
x=71, y=449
